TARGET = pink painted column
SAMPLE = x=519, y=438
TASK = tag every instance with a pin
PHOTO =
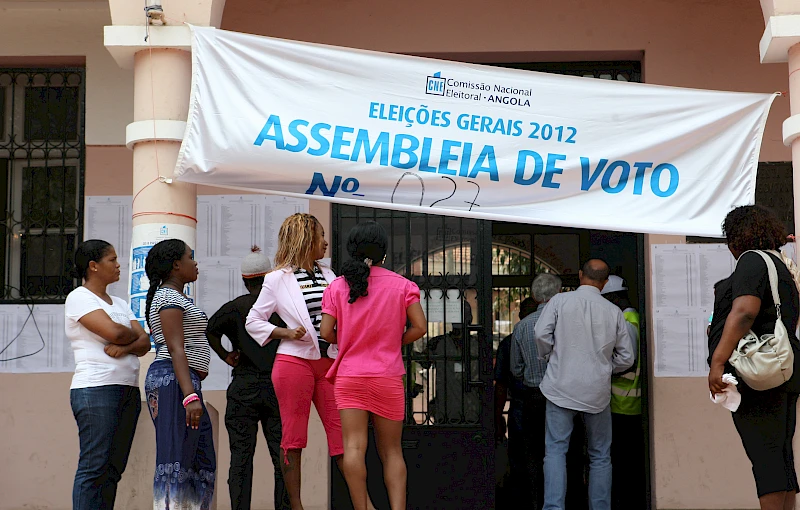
x=794, y=106
x=781, y=43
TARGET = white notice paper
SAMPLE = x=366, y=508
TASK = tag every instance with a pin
x=674, y=275
x=109, y=218
x=230, y=225
x=681, y=342
x=220, y=281
x=34, y=342
x=683, y=278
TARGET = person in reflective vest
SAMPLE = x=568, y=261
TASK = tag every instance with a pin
x=627, y=446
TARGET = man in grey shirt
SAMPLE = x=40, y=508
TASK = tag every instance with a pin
x=584, y=338
x=526, y=420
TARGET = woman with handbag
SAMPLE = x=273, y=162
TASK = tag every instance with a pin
x=744, y=305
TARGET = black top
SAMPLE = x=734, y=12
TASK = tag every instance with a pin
x=752, y=279
x=229, y=321
x=502, y=370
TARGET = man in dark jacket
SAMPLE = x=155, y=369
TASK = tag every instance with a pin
x=251, y=396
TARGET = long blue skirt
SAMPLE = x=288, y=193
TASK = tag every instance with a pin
x=186, y=464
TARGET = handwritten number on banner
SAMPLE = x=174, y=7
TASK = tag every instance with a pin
x=476, y=195
x=471, y=203
x=421, y=183
x=450, y=195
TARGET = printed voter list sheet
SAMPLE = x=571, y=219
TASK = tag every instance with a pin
x=34, y=341
x=220, y=281
x=715, y=263
x=229, y=225
x=674, y=275
x=109, y=218
x=276, y=210
x=683, y=278
x=681, y=345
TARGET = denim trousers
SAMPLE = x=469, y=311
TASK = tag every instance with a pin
x=558, y=430
x=106, y=418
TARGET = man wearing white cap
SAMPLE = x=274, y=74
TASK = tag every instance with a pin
x=627, y=446
x=251, y=396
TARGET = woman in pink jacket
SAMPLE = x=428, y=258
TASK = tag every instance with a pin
x=365, y=314
x=294, y=291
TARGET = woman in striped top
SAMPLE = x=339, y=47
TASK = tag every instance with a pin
x=185, y=459
x=294, y=291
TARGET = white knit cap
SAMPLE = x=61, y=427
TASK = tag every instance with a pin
x=256, y=264
x=614, y=284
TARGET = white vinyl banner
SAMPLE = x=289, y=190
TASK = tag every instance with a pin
x=416, y=134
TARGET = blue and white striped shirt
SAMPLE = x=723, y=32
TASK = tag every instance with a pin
x=525, y=363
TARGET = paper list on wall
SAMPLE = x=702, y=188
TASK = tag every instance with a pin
x=278, y=209
x=230, y=225
x=674, y=275
x=207, y=226
x=683, y=278
x=715, y=263
x=34, y=341
x=681, y=346
x=220, y=281
x=109, y=218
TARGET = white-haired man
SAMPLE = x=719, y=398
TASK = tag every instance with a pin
x=526, y=420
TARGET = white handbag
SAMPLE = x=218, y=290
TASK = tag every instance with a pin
x=766, y=362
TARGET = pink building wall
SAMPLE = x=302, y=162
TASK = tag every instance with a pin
x=698, y=462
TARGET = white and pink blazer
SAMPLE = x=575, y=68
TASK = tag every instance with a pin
x=281, y=294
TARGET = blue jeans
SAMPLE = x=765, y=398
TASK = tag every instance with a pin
x=558, y=429
x=106, y=418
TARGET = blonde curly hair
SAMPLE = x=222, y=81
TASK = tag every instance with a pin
x=296, y=240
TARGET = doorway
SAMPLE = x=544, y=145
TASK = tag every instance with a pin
x=472, y=274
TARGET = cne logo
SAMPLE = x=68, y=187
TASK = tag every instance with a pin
x=435, y=85
x=164, y=230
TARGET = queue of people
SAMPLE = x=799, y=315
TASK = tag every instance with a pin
x=300, y=335
x=574, y=360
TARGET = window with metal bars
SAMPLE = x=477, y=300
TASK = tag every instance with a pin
x=42, y=156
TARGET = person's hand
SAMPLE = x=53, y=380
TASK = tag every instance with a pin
x=499, y=430
x=115, y=351
x=297, y=333
x=194, y=410
x=232, y=358
x=715, y=384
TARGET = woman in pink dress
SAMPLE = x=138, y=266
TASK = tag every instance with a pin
x=365, y=312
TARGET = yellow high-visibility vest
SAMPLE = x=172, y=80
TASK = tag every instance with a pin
x=626, y=389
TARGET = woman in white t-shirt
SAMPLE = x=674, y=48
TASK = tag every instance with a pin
x=106, y=340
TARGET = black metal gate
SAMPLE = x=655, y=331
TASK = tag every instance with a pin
x=448, y=435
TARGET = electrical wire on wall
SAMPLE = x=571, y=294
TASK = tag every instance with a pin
x=30, y=303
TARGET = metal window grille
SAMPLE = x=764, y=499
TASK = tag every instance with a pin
x=42, y=165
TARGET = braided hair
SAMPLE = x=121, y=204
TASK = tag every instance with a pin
x=158, y=267
x=367, y=240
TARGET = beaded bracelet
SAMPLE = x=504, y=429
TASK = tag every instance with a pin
x=189, y=399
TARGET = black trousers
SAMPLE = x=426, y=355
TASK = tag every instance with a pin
x=628, y=489
x=251, y=399
x=526, y=449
